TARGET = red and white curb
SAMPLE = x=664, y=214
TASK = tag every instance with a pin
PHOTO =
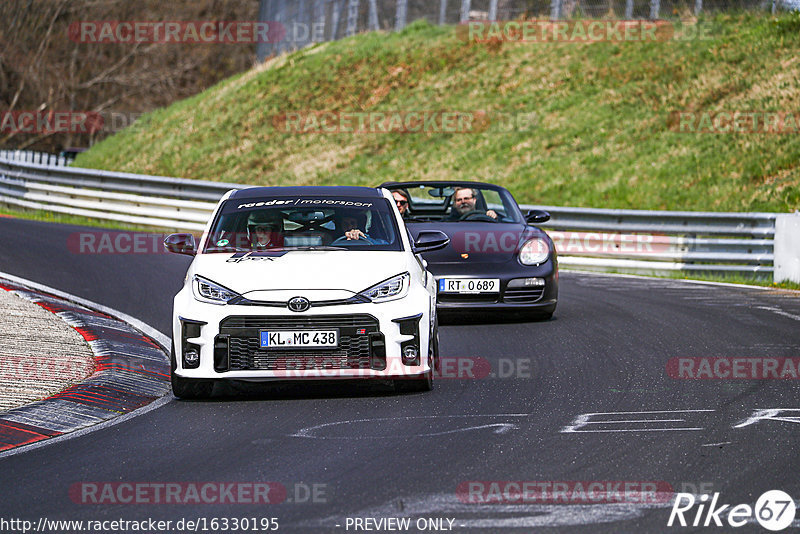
x=131, y=371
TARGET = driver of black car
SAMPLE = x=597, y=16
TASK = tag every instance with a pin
x=465, y=202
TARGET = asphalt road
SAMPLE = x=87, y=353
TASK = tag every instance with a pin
x=376, y=454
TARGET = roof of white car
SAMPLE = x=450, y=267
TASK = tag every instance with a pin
x=309, y=191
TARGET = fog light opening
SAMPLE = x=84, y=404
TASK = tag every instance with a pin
x=191, y=358
x=410, y=355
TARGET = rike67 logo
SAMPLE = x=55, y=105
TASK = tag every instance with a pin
x=774, y=510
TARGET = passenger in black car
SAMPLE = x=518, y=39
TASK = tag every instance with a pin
x=401, y=198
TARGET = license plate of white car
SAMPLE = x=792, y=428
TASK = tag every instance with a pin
x=281, y=339
x=469, y=285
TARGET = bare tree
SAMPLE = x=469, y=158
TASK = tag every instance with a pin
x=43, y=69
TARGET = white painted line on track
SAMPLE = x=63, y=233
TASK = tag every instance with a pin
x=779, y=311
x=148, y=330
x=499, y=428
x=680, y=280
x=585, y=419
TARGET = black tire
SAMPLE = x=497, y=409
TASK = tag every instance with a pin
x=437, y=363
x=188, y=388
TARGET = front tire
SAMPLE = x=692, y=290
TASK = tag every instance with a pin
x=188, y=388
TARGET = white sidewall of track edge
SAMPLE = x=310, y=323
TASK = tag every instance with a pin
x=681, y=280
x=148, y=330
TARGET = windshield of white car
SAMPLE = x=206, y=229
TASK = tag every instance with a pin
x=318, y=224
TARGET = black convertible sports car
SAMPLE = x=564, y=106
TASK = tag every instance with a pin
x=496, y=259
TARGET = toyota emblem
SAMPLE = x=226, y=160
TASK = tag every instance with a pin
x=299, y=304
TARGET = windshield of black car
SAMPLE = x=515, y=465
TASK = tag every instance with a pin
x=430, y=202
x=317, y=223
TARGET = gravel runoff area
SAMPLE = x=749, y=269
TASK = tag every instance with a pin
x=40, y=354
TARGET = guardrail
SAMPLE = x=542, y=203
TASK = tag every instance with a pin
x=659, y=242
x=158, y=201
x=632, y=241
x=31, y=156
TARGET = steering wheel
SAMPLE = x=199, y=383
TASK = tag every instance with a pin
x=476, y=216
x=343, y=239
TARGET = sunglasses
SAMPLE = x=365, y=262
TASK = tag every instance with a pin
x=401, y=202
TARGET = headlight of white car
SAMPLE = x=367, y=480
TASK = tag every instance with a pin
x=207, y=291
x=534, y=251
x=391, y=289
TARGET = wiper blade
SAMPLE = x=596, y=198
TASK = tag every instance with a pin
x=227, y=249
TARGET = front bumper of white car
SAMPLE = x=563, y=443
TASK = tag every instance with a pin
x=223, y=341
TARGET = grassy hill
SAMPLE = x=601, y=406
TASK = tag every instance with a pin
x=600, y=131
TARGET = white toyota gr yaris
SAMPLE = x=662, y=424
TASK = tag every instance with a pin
x=292, y=283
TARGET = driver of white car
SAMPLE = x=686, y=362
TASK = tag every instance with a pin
x=465, y=202
x=353, y=223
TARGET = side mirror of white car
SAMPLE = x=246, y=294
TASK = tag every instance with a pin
x=181, y=244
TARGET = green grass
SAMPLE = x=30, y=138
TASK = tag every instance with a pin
x=600, y=136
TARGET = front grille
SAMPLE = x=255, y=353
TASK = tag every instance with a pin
x=352, y=353
x=244, y=353
x=523, y=295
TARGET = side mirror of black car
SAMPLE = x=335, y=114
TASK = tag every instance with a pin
x=537, y=216
x=181, y=244
x=430, y=240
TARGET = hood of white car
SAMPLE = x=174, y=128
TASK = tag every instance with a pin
x=336, y=271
